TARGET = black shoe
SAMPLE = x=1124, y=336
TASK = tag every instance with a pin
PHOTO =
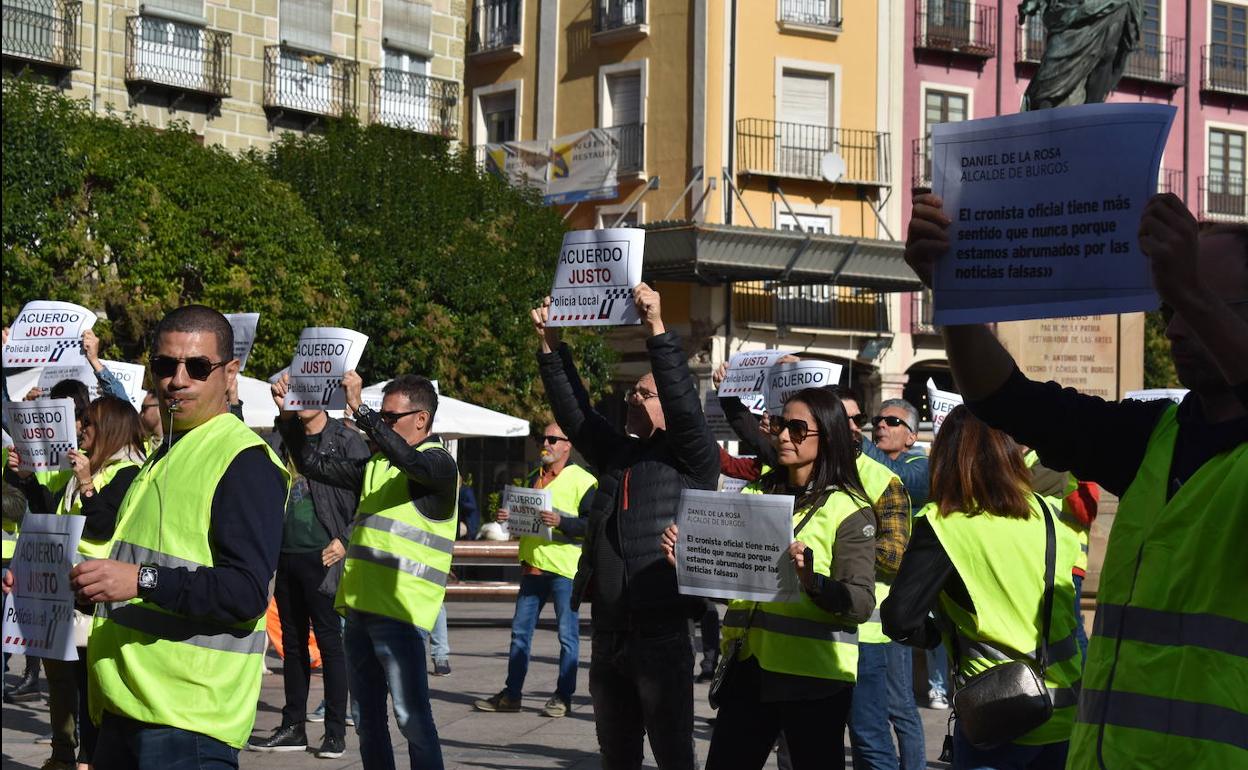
x=27, y=688
x=442, y=667
x=332, y=748
x=705, y=676
x=284, y=738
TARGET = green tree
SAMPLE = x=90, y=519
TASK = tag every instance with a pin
x=113, y=214
x=444, y=262
x=1158, y=366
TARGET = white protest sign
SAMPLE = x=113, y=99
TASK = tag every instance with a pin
x=524, y=511
x=747, y=372
x=129, y=375
x=716, y=420
x=734, y=546
x=941, y=402
x=595, y=277
x=783, y=380
x=244, y=325
x=1157, y=394
x=39, y=613
x=47, y=332
x=1046, y=209
x=757, y=404
x=729, y=484
x=322, y=356
x=43, y=432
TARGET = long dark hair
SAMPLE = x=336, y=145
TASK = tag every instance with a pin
x=836, y=465
x=977, y=469
x=116, y=427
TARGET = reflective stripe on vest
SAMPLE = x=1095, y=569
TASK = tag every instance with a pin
x=408, y=532
x=400, y=563
x=1058, y=651
x=791, y=626
x=176, y=628
x=876, y=478
x=1166, y=682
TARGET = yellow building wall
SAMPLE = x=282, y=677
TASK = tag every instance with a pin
x=483, y=69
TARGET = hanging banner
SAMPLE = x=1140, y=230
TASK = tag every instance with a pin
x=47, y=332
x=244, y=325
x=524, y=511
x=43, y=432
x=595, y=277
x=568, y=169
x=322, y=356
x=783, y=380
x=747, y=372
x=734, y=546
x=39, y=613
x=941, y=403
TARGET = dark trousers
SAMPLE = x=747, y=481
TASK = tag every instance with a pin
x=746, y=729
x=129, y=745
x=298, y=604
x=643, y=685
x=710, y=637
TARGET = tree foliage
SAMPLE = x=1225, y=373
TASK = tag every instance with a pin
x=1158, y=366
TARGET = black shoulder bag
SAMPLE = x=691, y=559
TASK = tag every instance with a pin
x=1008, y=701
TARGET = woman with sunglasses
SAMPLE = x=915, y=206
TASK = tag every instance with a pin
x=110, y=451
x=796, y=663
x=978, y=559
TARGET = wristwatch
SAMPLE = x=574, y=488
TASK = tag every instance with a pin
x=147, y=579
x=363, y=411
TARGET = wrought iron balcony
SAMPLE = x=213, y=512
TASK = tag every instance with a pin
x=921, y=165
x=776, y=148
x=819, y=306
x=1159, y=62
x=956, y=27
x=824, y=14
x=921, y=313
x=1223, y=199
x=176, y=55
x=619, y=16
x=43, y=32
x=308, y=82
x=414, y=102
x=1221, y=70
x=1172, y=182
x=1029, y=41
x=496, y=25
x=632, y=144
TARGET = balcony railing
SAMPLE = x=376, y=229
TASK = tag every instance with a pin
x=1159, y=62
x=632, y=139
x=1221, y=69
x=1029, y=41
x=812, y=13
x=1172, y=181
x=180, y=56
x=612, y=15
x=818, y=306
x=776, y=148
x=921, y=313
x=956, y=27
x=43, y=31
x=495, y=24
x=921, y=165
x=1223, y=199
x=414, y=102
x=308, y=82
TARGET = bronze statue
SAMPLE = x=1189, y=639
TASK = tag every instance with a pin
x=1088, y=42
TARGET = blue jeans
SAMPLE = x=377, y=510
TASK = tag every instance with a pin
x=125, y=744
x=902, y=710
x=1080, y=634
x=869, y=738
x=1011, y=756
x=384, y=654
x=535, y=590
x=440, y=640
x=938, y=670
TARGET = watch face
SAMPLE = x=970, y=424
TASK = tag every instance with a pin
x=147, y=577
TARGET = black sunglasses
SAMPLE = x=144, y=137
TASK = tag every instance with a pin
x=390, y=418
x=552, y=440
x=890, y=421
x=798, y=429
x=859, y=419
x=198, y=367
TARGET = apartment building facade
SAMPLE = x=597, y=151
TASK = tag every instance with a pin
x=240, y=71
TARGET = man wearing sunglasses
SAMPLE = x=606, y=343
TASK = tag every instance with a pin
x=1171, y=594
x=394, y=575
x=547, y=569
x=641, y=671
x=195, y=549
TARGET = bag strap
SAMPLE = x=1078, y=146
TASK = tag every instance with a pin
x=810, y=514
x=1050, y=566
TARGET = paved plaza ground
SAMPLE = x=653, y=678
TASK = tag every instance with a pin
x=479, y=639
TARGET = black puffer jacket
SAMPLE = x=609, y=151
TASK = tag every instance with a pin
x=639, y=481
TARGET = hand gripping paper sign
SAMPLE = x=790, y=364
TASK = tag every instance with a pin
x=43, y=432
x=734, y=546
x=524, y=511
x=244, y=325
x=1045, y=209
x=39, y=613
x=47, y=332
x=783, y=380
x=941, y=403
x=323, y=355
x=747, y=372
x=595, y=277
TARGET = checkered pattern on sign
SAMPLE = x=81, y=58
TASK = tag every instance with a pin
x=609, y=296
x=52, y=356
x=619, y=293
x=330, y=383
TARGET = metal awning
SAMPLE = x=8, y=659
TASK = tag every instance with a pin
x=714, y=254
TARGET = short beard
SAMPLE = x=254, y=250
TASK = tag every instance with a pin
x=547, y=459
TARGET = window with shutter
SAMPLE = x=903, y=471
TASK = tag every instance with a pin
x=805, y=120
x=407, y=25
x=498, y=113
x=623, y=99
x=306, y=24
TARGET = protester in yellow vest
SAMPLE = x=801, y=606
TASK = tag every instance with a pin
x=396, y=566
x=1165, y=680
x=797, y=663
x=547, y=568
x=977, y=557
x=176, y=649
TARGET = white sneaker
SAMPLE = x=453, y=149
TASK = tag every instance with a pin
x=936, y=700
